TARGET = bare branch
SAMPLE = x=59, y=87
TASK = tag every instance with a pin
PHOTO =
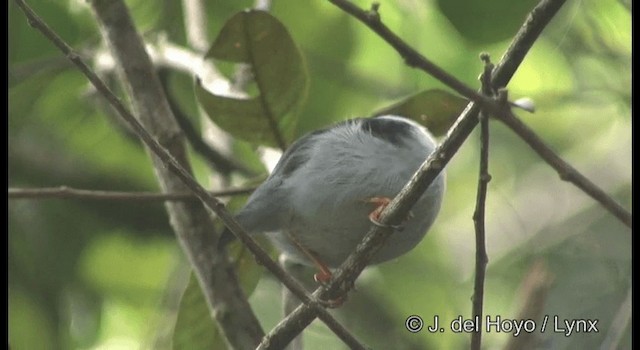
x=479, y=214
x=395, y=212
x=64, y=192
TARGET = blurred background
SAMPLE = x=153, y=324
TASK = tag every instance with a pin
x=90, y=274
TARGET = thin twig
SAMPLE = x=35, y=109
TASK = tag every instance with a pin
x=173, y=165
x=479, y=213
x=64, y=192
x=481, y=249
x=343, y=278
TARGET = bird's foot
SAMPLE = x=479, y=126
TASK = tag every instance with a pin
x=381, y=203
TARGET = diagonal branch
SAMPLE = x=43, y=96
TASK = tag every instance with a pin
x=64, y=192
x=293, y=324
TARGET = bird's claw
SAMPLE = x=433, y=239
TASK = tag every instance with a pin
x=374, y=217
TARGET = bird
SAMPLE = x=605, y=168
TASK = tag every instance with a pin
x=331, y=184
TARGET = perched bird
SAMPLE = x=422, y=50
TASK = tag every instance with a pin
x=328, y=187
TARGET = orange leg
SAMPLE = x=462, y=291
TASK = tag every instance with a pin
x=324, y=275
x=381, y=203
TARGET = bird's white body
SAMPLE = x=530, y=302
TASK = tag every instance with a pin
x=318, y=193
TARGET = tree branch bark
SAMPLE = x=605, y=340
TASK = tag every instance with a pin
x=479, y=214
x=64, y=192
x=190, y=221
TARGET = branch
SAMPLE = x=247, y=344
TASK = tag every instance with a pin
x=64, y=192
x=209, y=201
x=479, y=214
x=396, y=211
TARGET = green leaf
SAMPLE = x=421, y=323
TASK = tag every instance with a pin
x=194, y=327
x=436, y=109
x=260, y=40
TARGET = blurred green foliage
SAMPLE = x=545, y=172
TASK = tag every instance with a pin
x=100, y=274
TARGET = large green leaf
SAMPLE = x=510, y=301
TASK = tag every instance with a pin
x=260, y=40
x=194, y=328
x=436, y=109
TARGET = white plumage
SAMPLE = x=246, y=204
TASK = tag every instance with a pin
x=318, y=192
